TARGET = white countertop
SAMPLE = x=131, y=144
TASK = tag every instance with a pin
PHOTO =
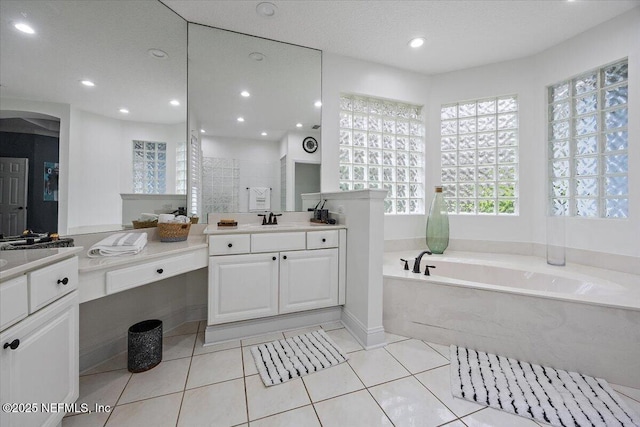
x=153, y=249
x=16, y=262
x=280, y=228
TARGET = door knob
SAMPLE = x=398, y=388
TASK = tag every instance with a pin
x=284, y=257
x=63, y=281
x=230, y=245
x=160, y=271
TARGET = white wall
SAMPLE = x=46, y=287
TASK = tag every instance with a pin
x=341, y=74
x=527, y=78
x=259, y=163
x=101, y=164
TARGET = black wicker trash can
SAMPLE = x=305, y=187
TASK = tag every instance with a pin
x=144, y=345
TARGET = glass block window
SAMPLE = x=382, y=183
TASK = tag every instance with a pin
x=382, y=146
x=149, y=167
x=181, y=168
x=194, y=194
x=588, y=142
x=479, y=156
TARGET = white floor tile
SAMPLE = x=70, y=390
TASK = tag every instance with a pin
x=490, y=417
x=217, y=405
x=456, y=423
x=633, y=393
x=158, y=412
x=440, y=348
x=295, y=332
x=215, y=367
x=104, y=388
x=178, y=346
x=344, y=340
x=332, y=382
x=183, y=329
x=416, y=356
x=118, y=361
x=260, y=339
x=332, y=325
x=354, y=410
x=408, y=403
x=301, y=417
x=86, y=420
x=438, y=381
x=248, y=362
x=168, y=377
x=391, y=338
x=264, y=401
x=200, y=348
x=376, y=366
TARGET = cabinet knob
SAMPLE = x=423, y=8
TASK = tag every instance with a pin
x=230, y=245
x=13, y=345
x=324, y=240
x=63, y=281
x=284, y=257
x=274, y=258
x=160, y=271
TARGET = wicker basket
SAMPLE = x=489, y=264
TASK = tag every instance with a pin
x=145, y=224
x=170, y=232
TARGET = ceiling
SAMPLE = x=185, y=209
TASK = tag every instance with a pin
x=459, y=33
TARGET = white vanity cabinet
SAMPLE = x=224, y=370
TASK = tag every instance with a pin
x=278, y=273
x=243, y=287
x=39, y=353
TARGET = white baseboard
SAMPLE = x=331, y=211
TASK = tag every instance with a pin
x=369, y=338
x=248, y=328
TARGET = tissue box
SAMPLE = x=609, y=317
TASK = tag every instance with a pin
x=173, y=232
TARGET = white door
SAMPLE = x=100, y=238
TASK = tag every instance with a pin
x=242, y=287
x=43, y=366
x=13, y=195
x=308, y=279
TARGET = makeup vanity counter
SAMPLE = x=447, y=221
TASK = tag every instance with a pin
x=103, y=276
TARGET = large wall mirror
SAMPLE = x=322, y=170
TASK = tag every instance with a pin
x=252, y=104
x=125, y=134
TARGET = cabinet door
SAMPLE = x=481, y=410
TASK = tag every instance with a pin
x=43, y=368
x=308, y=279
x=242, y=287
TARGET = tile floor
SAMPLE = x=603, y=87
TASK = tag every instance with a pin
x=405, y=383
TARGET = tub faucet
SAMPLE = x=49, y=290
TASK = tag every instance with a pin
x=416, y=264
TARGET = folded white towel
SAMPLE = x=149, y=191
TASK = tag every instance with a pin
x=119, y=244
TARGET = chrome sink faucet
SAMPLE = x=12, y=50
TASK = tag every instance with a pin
x=416, y=264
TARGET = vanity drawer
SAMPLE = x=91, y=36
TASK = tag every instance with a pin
x=50, y=283
x=322, y=239
x=141, y=274
x=14, y=301
x=229, y=244
x=270, y=242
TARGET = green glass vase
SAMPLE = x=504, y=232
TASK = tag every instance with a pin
x=438, y=224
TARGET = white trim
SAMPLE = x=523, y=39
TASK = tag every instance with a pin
x=369, y=338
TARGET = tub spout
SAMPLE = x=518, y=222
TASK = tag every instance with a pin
x=416, y=264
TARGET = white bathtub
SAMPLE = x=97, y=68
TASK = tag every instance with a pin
x=575, y=317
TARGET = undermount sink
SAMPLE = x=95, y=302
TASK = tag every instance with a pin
x=3, y=262
x=268, y=227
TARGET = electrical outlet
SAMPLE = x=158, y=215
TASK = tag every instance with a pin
x=341, y=210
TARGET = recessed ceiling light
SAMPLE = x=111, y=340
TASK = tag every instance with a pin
x=240, y=119
x=417, y=42
x=202, y=131
x=88, y=83
x=124, y=111
x=263, y=134
x=174, y=102
x=25, y=28
x=158, y=54
x=257, y=56
x=266, y=9
x=245, y=94
x=298, y=125
x=318, y=104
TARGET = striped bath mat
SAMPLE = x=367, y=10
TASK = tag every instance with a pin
x=553, y=396
x=282, y=360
